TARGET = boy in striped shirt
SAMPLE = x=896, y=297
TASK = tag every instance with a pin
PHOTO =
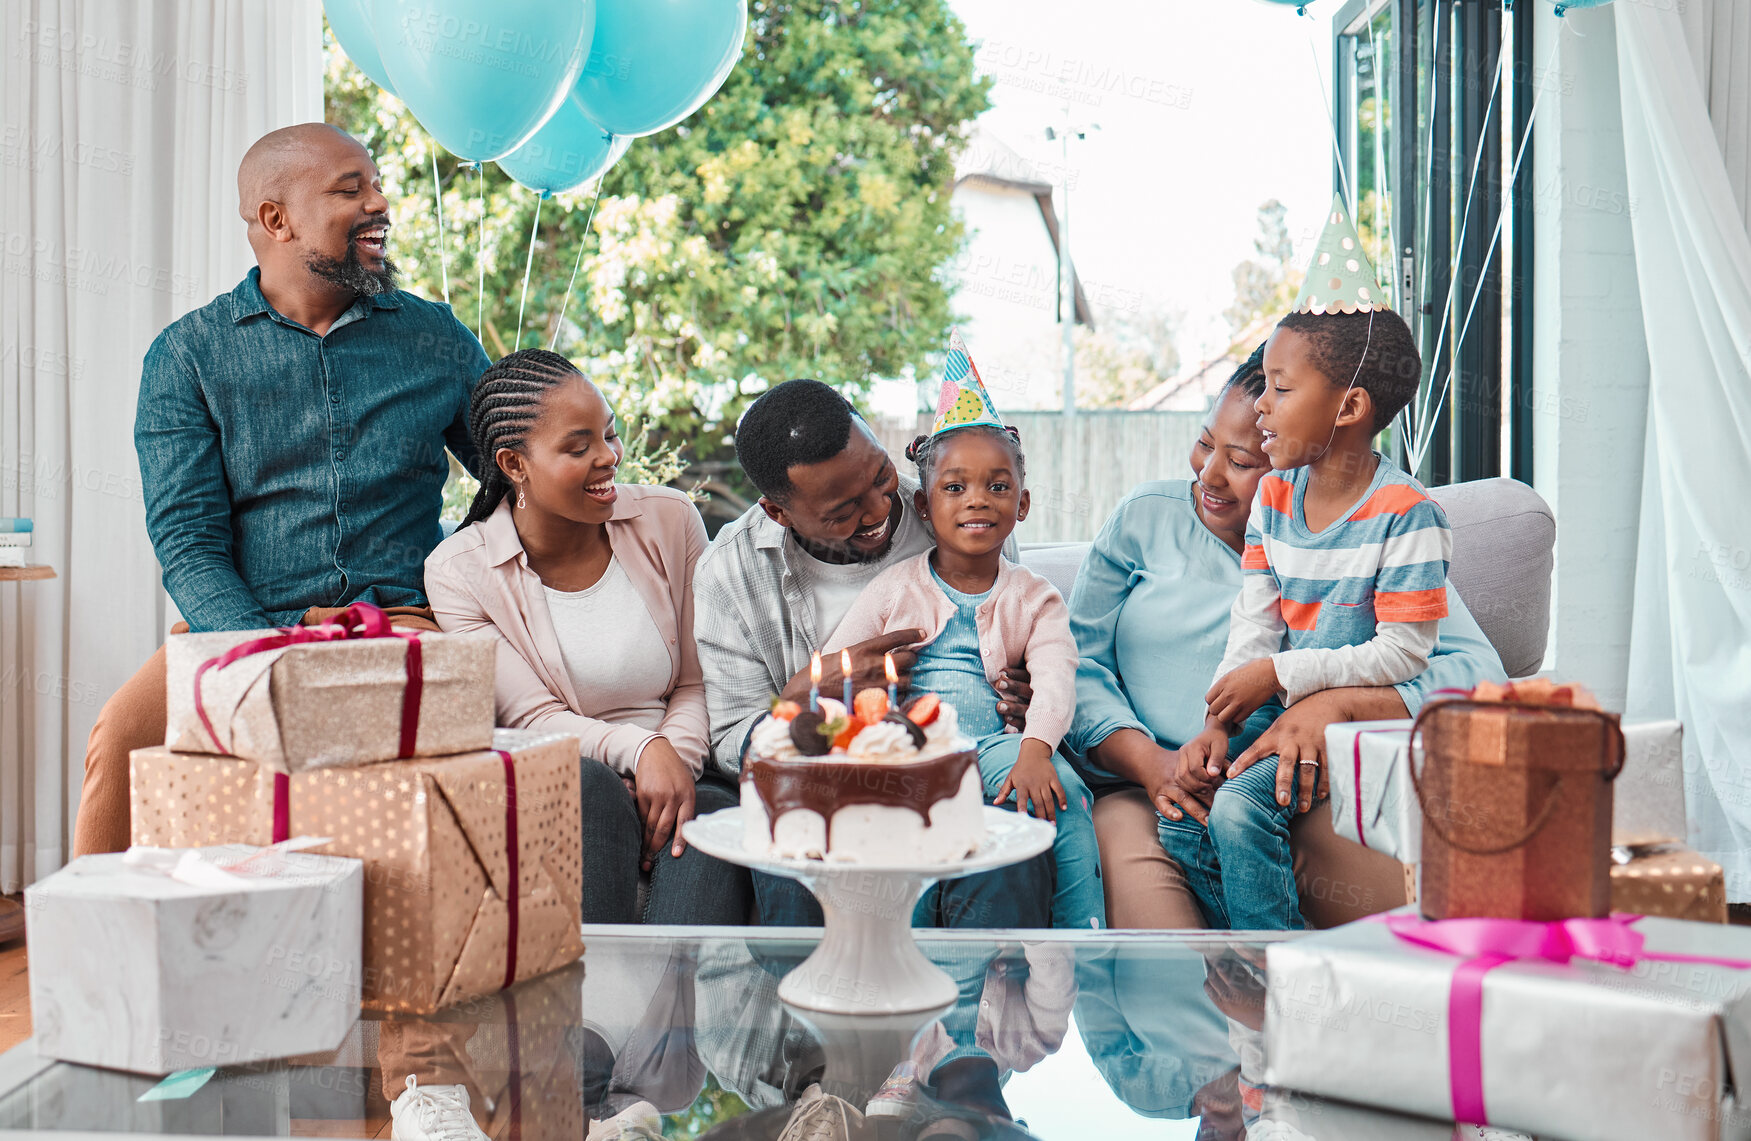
x=1344, y=581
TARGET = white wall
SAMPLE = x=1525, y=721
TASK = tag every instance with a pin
x=1589, y=357
x=1007, y=297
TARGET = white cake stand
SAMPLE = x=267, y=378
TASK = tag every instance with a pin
x=867, y=961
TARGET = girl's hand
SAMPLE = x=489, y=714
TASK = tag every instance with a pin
x=1034, y=779
x=664, y=788
x=1239, y=692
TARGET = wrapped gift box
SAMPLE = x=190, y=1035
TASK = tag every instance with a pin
x=1374, y=756
x=132, y=968
x=1651, y=874
x=1668, y=880
x=1289, y=1115
x=473, y=863
x=324, y=703
x=1582, y=1050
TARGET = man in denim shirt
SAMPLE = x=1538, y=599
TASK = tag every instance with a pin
x=291, y=434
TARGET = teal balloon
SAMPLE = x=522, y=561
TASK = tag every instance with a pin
x=565, y=153
x=655, y=62
x=350, y=21
x=483, y=75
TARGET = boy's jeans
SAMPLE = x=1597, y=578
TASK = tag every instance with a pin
x=1239, y=867
x=1079, y=900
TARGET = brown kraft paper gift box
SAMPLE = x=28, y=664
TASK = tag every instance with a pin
x=343, y=702
x=1669, y=880
x=1535, y=841
x=433, y=835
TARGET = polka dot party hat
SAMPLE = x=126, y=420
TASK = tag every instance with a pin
x=963, y=401
x=1340, y=279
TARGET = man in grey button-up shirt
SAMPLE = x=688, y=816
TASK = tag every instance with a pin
x=830, y=497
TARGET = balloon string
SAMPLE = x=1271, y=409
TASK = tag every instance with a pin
x=1464, y=224
x=438, y=197
x=582, y=242
x=527, y=265
x=1495, y=238
x=1331, y=118
x=480, y=257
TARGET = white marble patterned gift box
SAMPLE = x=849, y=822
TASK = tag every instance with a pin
x=132, y=969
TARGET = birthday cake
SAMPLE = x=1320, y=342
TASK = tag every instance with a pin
x=871, y=784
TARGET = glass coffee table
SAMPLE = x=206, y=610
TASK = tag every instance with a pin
x=679, y=1032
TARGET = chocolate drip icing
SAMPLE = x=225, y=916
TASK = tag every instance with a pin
x=826, y=786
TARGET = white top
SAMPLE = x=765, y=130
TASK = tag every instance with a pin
x=833, y=587
x=616, y=656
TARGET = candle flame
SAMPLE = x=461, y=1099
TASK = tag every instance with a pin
x=845, y=664
x=815, y=668
x=893, y=674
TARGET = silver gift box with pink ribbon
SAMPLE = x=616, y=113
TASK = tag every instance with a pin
x=1617, y=1029
x=348, y=693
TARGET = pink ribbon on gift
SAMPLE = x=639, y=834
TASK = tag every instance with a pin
x=358, y=621
x=1486, y=944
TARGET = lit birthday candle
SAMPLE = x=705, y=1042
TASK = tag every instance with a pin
x=893, y=680
x=845, y=672
x=815, y=683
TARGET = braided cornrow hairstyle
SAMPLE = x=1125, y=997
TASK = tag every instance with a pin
x=922, y=451
x=505, y=405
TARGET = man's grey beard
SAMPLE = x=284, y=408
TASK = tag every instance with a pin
x=351, y=274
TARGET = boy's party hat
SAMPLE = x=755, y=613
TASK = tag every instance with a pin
x=964, y=401
x=1340, y=279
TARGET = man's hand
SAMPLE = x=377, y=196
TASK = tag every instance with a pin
x=1239, y=692
x=663, y=786
x=867, y=668
x=1014, y=695
x=1033, y=779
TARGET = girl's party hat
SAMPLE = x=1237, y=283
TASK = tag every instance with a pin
x=964, y=401
x=1340, y=279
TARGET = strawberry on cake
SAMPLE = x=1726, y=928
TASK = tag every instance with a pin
x=871, y=784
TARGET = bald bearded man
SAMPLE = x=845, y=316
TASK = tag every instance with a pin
x=291, y=434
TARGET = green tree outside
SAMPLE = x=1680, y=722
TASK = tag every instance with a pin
x=796, y=225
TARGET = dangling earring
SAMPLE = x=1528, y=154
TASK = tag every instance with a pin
x=521, y=502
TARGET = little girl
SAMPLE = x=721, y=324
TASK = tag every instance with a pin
x=982, y=615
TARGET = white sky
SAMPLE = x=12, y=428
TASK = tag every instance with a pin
x=1207, y=108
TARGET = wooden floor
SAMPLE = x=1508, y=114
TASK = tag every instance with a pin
x=14, y=995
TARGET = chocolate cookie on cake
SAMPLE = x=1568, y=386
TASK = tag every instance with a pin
x=870, y=784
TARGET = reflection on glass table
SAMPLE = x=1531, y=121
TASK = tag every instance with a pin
x=676, y=1033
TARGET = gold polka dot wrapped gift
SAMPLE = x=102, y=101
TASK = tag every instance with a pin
x=473, y=863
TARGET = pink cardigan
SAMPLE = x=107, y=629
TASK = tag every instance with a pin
x=479, y=579
x=1023, y=622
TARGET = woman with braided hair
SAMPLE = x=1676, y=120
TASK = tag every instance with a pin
x=588, y=585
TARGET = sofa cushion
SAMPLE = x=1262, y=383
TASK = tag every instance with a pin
x=1504, y=538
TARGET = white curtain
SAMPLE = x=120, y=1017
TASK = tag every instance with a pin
x=123, y=126
x=1686, y=96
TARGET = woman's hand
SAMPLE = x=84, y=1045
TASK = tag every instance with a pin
x=1238, y=693
x=664, y=788
x=1139, y=758
x=1014, y=695
x=1297, y=739
x=1033, y=779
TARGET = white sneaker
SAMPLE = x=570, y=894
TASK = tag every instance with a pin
x=433, y=1113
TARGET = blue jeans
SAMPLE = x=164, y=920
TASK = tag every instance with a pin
x=1080, y=899
x=1238, y=867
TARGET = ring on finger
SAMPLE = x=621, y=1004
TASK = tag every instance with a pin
x=1310, y=764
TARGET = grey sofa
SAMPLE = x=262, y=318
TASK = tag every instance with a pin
x=1504, y=540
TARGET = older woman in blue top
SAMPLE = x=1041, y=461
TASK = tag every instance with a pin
x=1150, y=614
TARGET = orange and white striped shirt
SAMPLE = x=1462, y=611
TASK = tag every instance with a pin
x=1354, y=604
